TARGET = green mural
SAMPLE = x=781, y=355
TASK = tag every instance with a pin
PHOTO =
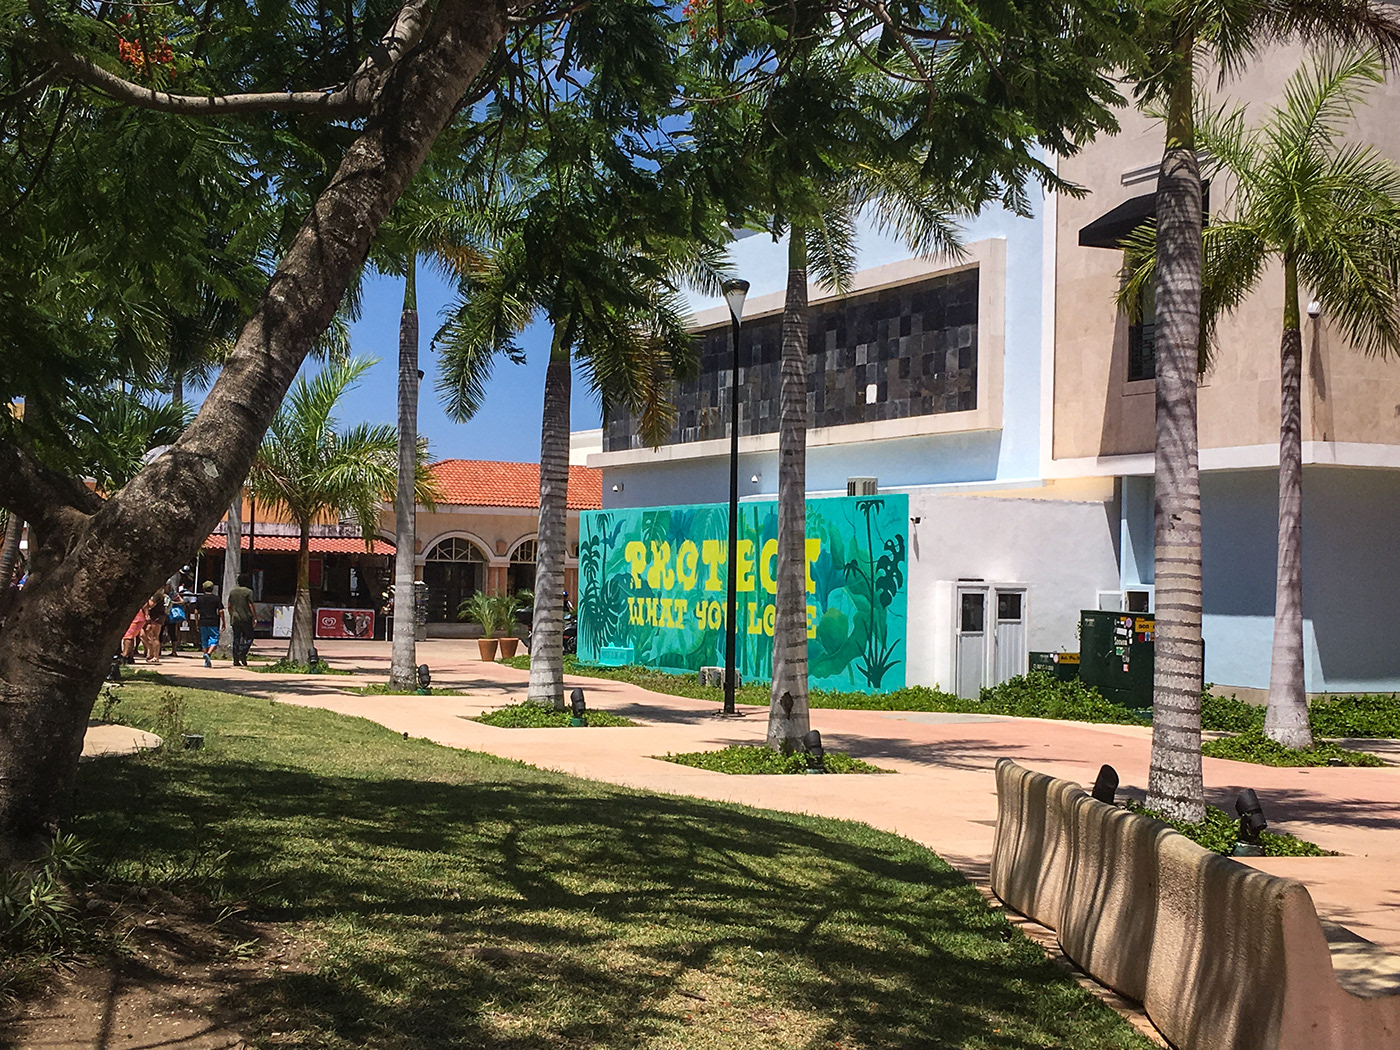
x=652, y=582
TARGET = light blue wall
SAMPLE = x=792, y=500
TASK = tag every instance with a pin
x=1011, y=454
x=1135, y=543
x=1351, y=577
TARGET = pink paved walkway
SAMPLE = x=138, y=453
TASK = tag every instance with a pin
x=944, y=798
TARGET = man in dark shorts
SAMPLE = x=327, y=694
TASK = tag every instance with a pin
x=240, y=619
x=211, y=620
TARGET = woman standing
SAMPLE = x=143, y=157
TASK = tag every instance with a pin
x=155, y=623
x=138, y=626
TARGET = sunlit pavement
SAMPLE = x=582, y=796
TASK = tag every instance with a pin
x=944, y=795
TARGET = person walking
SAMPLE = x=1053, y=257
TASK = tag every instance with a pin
x=240, y=618
x=132, y=633
x=155, y=624
x=211, y=620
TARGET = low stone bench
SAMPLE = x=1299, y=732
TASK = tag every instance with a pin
x=1221, y=956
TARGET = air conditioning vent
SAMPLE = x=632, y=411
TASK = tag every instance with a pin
x=862, y=486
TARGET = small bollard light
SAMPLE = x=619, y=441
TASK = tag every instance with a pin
x=1106, y=786
x=312, y=658
x=816, y=754
x=425, y=680
x=1252, y=824
x=579, y=708
x=115, y=673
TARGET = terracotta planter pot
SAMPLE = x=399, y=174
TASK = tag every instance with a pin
x=487, y=648
x=508, y=647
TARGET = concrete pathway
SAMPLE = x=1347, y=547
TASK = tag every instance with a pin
x=103, y=741
x=944, y=797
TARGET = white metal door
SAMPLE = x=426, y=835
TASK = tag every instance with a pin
x=972, y=640
x=1010, y=634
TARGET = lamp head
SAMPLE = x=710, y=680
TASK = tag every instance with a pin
x=734, y=292
x=1106, y=786
x=313, y=657
x=816, y=754
x=576, y=702
x=1251, y=815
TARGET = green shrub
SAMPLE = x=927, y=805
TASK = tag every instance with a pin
x=385, y=689
x=36, y=903
x=747, y=759
x=533, y=716
x=1227, y=714
x=1219, y=832
x=1253, y=746
x=285, y=666
x=1372, y=714
x=1042, y=695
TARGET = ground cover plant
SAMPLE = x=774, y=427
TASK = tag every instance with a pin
x=759, y=758
x=537, y=716
x=445, y=899
x=385, y=689
x=1219, y=831
x=1253, y=746
x=1358, y=715
x=291, y=667
x=1036, y=695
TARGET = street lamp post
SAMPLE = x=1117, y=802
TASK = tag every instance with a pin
x=734, y=292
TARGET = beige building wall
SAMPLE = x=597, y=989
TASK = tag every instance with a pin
x=1347, y=396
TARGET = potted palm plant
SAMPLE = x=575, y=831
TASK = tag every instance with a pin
x=484, y=609
x=511, y=607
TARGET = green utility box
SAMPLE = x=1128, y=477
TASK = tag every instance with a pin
x=1063, y=666
x=1116, y=655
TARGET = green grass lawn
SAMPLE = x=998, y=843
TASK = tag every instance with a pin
x=452, y=899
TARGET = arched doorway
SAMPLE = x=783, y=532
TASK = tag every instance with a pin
x=454, y=570
x=521, y=574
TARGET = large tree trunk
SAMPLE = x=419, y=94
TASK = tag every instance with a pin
x=788, y=718
x=1286, y=719
x=1174, y=782
x=403, y=661
x=303, y=627
x=94, y=561
x=547, y=630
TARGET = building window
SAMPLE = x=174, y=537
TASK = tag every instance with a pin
x=1142, y=339
x=521, y=574
x=454, y=570
x=888, y=354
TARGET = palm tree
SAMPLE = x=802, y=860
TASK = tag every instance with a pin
x=310, y=468
x=1329, y=212
x=1180, y=36
x=600, y=258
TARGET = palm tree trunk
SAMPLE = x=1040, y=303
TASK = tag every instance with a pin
x=1174, y=782
x=789, y=721
x=299, y=648
x=177, y=387
x=547, y=631
x=1286, y=719
x=404, y=660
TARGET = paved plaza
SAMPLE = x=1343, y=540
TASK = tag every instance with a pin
x=943, y=797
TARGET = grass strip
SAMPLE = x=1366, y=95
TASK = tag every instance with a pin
x=447, y=899
x=1253, y=746
x=744, y=759
x=285, y=666
x=384, y=689
x=1035, y=695
x=1219, y=832
x=534, y=716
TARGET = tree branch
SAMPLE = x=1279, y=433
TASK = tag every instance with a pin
x=34, y=491
x=351, y=99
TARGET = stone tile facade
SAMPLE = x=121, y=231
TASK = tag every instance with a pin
x=916, y=343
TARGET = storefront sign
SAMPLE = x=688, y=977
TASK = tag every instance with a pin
x=282, y=620
x=654, y=580
x=344, y=623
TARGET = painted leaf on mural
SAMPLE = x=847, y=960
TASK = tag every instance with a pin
x=652, y=589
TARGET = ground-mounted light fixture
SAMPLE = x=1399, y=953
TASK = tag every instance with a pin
x=115, y=673
x=425, y=680
x=1106, y=784
x=579, y=707
x=816, y=754
x=312, y=658
x=1252, y=825
x=734, y=293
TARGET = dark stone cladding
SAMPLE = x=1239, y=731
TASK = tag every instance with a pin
x=917, y=343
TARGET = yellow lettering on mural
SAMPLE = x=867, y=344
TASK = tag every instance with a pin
x=811, y=621
x=660, y=574
x=755, y=624
x=770, y=617
x=633, y=617
x=688, y=564
x=765, y=566
x=814, y=551
x=713, y=554
x=745, y=563
x=682, y=607
x=636, y=554
x=652, y=603
x=667, y=604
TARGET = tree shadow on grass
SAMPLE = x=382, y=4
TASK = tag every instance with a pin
x=490, y=905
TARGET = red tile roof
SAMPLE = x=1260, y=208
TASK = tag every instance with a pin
x=484, y=483
x=319, y=544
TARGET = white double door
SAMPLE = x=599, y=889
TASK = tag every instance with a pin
x=989, y=623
